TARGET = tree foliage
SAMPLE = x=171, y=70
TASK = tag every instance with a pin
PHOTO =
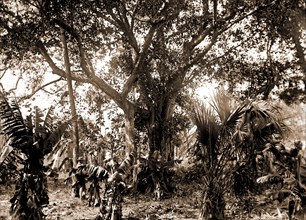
x=277, y=64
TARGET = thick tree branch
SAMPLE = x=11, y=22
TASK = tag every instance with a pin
x=215, y=4
x=148, y=40
x=300, y=51
x=139, y=63
x=128, y=85
x=55, y=69
x=128, y=30
x=94, y=80
x=221, y=24
x=123, y=24
x=49, y=60
x=88, y=69
x=84, y=62
x=208, y=63
x=300, y=54
x=200, y=55
x=146, y=79
x=133, y=14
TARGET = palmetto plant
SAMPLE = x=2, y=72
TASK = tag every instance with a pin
x=230, y=135
x=33, y=138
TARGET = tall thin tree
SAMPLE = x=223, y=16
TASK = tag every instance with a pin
x=75, y=130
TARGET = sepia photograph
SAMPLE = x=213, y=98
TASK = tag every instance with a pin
x=152, y=110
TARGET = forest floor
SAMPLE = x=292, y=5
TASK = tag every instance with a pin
x=184, y=204
x=62, y=205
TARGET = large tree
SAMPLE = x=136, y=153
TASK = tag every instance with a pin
x=155, y=49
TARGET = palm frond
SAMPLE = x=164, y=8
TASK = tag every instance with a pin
x=234, y=121
x=58, y=156
x=5, y=151
x=13, y=124
x=127, y=163
x=38, y=124
x=9, y=161
x=221, y=103
x=16, y=110
x=48, y=122
x=267, y=120
x=54, y=137
x=206, y=122
x=97, y=172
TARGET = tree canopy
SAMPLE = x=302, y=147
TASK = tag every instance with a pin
x=143, y=55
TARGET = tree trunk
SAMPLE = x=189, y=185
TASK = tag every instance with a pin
x=299, y=52
x=161, y=150
x=129, y=114
x=213, y=204
x=160, y=128
x=75, y=132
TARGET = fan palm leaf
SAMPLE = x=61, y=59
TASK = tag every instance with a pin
x=265, y=121
x=222, y=105
x=206, y=123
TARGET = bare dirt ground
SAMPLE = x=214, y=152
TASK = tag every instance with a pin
x=185, y=205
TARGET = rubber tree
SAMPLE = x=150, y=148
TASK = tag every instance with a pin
x=156, y=51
